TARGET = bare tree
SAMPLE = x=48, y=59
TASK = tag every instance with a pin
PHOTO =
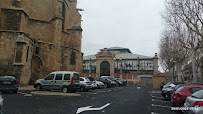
x=172, y=52
x=185, y=18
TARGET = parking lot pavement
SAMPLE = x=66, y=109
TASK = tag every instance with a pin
x=115, y=100
x=160, y=105
x=131, y=99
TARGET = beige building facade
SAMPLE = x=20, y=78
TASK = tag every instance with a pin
x=38, y=37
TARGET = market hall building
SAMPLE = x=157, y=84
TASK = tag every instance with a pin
x=119, y=62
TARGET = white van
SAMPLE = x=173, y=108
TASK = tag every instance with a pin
x=59, y=80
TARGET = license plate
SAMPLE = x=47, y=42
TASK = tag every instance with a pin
x=6, y=82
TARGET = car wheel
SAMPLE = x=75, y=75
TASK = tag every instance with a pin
x=109, y=85
x=105, y=85
x=98, y=86
x=82, y=88
x=38, y=87
x=65, y=89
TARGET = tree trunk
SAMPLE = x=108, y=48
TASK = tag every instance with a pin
x=179, y=72
x=193, y=65
x=171, y=77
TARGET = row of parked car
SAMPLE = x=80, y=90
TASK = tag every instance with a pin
x=69, y=81
x=87, y=83
x=184, y=94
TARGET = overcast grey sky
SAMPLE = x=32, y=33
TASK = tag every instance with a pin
x=133, y=24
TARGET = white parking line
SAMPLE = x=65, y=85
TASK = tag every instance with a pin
x=93, y=93
x=154, y=113
x=28, y=95
x=160, y=106
x=157, y=97
x=83, y=92
x=159, y=100
x=101, y=91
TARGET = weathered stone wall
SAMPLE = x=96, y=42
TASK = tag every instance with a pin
x=40, y=9
x=8, y=64
x=54, y=38
x=10, y=20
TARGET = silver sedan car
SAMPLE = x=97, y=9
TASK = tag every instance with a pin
x=1, y=103
x=85, y=84
x=194, y=103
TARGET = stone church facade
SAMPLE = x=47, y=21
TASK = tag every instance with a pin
x=38, y=37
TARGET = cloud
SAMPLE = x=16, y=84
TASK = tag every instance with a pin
x=134, y=24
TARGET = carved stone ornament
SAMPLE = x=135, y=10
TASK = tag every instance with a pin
x=105, y=54
x=20, y=39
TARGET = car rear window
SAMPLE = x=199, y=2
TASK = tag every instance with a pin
x=76, y=76
x=87, y=79
x=91, y=79
x=10, y=77
x=195, y=89
x=169, y=83
x=81, y=79
x=198, y=94
x=180, y=89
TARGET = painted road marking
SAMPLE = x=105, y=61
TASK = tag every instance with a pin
x=154, y=113
x=160, y=106
x=159, y=100
x=83, y=92
x=101, y=91
x=88, y=108
x=157, y=97
x=28, y=95
x=93, y=93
